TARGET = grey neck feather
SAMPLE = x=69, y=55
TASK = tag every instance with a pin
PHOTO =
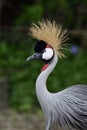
x=43, y=94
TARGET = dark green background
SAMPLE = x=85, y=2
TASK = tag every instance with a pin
x=16, y=46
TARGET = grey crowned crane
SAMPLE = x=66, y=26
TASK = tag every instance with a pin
x=67, y=109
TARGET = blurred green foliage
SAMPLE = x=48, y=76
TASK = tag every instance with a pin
x=16, y=46
x=29, y=14
x=21, y=74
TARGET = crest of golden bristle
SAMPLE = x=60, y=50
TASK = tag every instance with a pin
x=51, y=33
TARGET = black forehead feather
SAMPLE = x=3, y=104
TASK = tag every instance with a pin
x=40, y=46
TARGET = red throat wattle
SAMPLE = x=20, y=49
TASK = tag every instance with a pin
x=44, y=67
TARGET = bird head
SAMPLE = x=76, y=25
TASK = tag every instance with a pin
x=43, y=51
x=50, y=38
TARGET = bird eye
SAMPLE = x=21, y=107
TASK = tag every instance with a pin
x=47, y=54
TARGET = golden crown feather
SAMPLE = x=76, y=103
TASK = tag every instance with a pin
x=51, y=33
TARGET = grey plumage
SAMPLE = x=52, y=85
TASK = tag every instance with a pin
x=66, y=109
x=71, y=107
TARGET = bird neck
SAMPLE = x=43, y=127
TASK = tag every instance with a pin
x=41, y=89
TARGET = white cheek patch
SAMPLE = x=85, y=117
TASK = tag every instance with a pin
x=47, y=54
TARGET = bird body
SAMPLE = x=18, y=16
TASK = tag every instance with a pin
x=67, y=109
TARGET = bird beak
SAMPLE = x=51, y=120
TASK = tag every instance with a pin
x=34, y=56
